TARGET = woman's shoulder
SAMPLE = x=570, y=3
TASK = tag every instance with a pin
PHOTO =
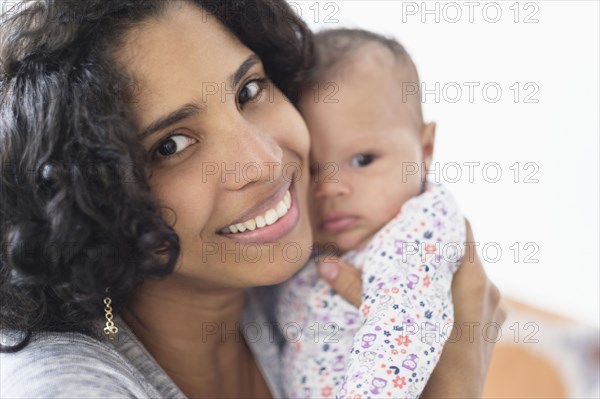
x=68, y=365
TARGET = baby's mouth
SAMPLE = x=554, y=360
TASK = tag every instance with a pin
x=338, y=224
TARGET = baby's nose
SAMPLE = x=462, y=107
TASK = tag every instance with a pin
x=330, y=184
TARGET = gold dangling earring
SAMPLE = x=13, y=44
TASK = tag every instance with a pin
x=110, y=329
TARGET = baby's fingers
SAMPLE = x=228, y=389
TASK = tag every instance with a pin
x=343, y=278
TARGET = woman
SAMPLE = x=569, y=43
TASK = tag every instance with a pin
x=128, y=131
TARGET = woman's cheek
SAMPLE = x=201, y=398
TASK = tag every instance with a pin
x=178, y=199
x=294, y=124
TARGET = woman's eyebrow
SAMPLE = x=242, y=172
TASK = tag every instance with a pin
x=243, y=69
x=174, y=117
x=192, y=109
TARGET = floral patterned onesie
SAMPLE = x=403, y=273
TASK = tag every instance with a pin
x=391, y=344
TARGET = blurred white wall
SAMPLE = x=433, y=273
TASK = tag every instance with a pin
x=549, y=50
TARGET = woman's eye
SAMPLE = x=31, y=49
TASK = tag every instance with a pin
x=173, y=145
x=250, y=91
x=362, y=160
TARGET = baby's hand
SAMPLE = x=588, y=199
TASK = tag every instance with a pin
x=345, y=279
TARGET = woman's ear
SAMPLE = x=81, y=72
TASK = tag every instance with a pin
x=427, y=143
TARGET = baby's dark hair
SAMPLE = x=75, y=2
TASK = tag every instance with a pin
x=76, y=212
x=334, y=47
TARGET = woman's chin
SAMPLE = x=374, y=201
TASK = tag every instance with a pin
x=280, y=265
x=278, y=273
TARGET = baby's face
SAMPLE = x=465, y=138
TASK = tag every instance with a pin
x=367, y=152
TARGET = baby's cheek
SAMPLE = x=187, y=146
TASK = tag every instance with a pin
x=393, y=200
x=314, y=224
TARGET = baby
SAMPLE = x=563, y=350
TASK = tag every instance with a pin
x=373, y=206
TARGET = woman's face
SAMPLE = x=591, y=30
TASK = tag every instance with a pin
x=226, y=146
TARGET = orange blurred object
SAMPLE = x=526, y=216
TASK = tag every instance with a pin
x=543, y=355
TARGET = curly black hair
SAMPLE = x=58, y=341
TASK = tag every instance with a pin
x=76, y=213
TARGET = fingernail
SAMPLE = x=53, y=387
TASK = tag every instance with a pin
x=328, y=270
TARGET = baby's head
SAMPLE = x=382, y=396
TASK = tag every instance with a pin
x=369, y=145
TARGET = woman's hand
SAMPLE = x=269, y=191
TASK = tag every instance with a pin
x=463, y=365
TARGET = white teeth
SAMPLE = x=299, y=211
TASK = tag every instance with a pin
x=287, y=199
x=281, y=209
x=271, y=216
x=267, y=219
x=250, y=224
x=260, y=222
x=241, y=228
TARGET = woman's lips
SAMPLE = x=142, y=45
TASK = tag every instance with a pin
x=260, y=209
x=275, y=231
x=338, y=224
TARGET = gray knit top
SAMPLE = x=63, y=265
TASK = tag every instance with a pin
x=73, y=365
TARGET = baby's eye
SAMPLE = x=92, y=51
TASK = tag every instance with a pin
x=250, y=91
x=172, y=145
x=362, y=160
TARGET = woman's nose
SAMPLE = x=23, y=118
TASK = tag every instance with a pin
x=252, y=156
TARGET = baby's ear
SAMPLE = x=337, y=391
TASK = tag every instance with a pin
x=428, y=142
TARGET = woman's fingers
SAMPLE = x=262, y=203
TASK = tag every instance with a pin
x=477, y=303
x=471, y=280
x=492, y=295
x=500, y=316
x=343, y=278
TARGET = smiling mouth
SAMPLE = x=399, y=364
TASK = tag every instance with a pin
x=265, y=219
x=269, y=222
